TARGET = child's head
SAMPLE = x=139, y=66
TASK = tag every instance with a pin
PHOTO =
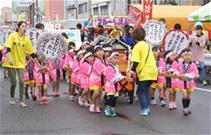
x=107, y=50
x=71, y=52
x=198, y=28
x=98, y=50
x=114, y=58
x=80, y=54
x=89, y=57
x=156, y=51
x=85, y=45
x=177, y=26
x=186, y=54
x=71, y=45
x=170, y=56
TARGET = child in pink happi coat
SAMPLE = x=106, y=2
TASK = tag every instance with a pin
x=67, y=66
x=42, y=79
x=172, y=82
x=161, y=81
x=4, y=52
x=96, y=79
x=29, y=78
x=75, y=77
x=56, y=74
x=188, y=73
x=107, y=52
x=112, y=77
x=85, y=70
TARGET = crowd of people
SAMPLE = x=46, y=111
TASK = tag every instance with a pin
x=92, y=71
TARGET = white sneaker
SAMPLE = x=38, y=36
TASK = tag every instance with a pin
x=153, y=102
x=12, y=101
x=80, y=101
x=22, y=104
x=204, y=83
x=71, y=98
x=162, y=103
x=86, y=104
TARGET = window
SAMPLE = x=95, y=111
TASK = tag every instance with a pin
x=118, y=4
x=136, y=1
x=95, y=11
x=82, y=8
x=104, y=10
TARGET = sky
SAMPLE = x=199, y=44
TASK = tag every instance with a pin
x=5, y=3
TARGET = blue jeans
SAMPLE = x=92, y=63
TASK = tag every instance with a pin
x=143, y=93
x=202, y=72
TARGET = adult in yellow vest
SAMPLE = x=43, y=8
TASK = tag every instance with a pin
x=18, y=45
x=145, y=67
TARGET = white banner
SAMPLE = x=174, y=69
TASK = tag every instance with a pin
x=175, y=40
x=74, y=35
x=155, y=32
x=33, y=35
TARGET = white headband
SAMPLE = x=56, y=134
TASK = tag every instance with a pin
x=80, y=52
x=87, y=55
x=169, y=55
x=98, y=46
x=71, y=50
x=107, y=49
x=85, y=42
x=113, y=54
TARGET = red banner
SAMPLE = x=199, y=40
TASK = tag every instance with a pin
x=134, y=15
x=147, y=10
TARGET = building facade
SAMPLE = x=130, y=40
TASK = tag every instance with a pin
x=83, y=9
x=6, y=15
x=54, y=10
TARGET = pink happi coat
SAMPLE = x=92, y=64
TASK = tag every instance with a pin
x=75, y=77
x=112, y=76
x=161, y=68
x=174, y=69
x=39, y=77
x=97, y=71
x=192, y=70
x=198, y=51
x=4, y=52
x=68, y=61
x=26, y=71
x=52, y=65
x=85, y=70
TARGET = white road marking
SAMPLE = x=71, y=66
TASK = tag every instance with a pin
x=201, y=89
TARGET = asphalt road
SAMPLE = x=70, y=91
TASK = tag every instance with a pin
x=63, y=117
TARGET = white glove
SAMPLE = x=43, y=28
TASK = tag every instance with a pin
x=176, y=72
x=119, y=77
x=189, y=76
x=171, y=70
x=160, y=70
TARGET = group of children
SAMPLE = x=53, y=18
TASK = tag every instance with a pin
x=92, y=71
x=176, y=73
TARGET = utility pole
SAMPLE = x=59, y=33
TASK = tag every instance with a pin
x=76, y=9
x=37, y=11
x=89, y=8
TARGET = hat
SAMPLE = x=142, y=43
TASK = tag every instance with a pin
x=113, y=54
x=107, y=47
x=80, y=52
x=169, y=54
x=198, y=25
x=87, y=54
x=85, y=42
x=98, y=47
